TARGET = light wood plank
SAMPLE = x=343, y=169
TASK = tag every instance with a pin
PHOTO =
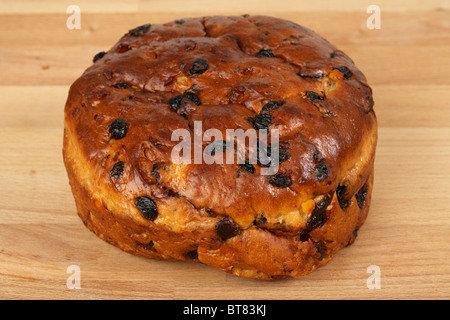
x=341, y=28
x=207, y=6
x=60, y=6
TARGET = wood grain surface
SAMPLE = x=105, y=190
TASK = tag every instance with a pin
x=407, y=233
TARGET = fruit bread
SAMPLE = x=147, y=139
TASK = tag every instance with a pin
x=283, y=213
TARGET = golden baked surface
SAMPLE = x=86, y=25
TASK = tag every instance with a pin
x=247, y=72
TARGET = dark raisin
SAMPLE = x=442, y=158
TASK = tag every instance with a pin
x=148, y=246
x=147, y=207
x=261, y=219
x=198, y=67
x=319, y=215
x=361, y=195
x=98, y=56
x=136, y=32
x=217, y=146
x=193, y=97
x=316, y=156
x=283, y=154
x=227, y=228
x=315, y=76
x=192, y=254
x=272, y=105
x=280, y=181
x=175, y=102
x=172, y=193
x=313, y=95
x=263, y=153
x=355, y=232
x=342, y=195
x=266, y=158
x=227, y=145
x=117, y=170
x=247, y=166
x=305, y=236
x=118, y=129
x=333, y=54
x=265, y=53
x=122, y=85
x=261, y=121
x=321, y=171
x=153, y=140
x=320, y=251
x=155, y=172
x=345, y=71
x=179, y=21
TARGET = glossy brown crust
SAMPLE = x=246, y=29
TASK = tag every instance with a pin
x=326, y=124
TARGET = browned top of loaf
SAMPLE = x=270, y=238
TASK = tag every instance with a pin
x=250, y=61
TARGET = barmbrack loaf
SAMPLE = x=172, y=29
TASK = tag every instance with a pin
x=261, y=217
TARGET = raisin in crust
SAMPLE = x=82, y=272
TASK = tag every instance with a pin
x=247, y=72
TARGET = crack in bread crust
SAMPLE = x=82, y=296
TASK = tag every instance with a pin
x=223, y=71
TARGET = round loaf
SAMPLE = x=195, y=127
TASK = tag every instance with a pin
x=241, y=72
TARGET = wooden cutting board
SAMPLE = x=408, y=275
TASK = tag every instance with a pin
x=407, y=233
